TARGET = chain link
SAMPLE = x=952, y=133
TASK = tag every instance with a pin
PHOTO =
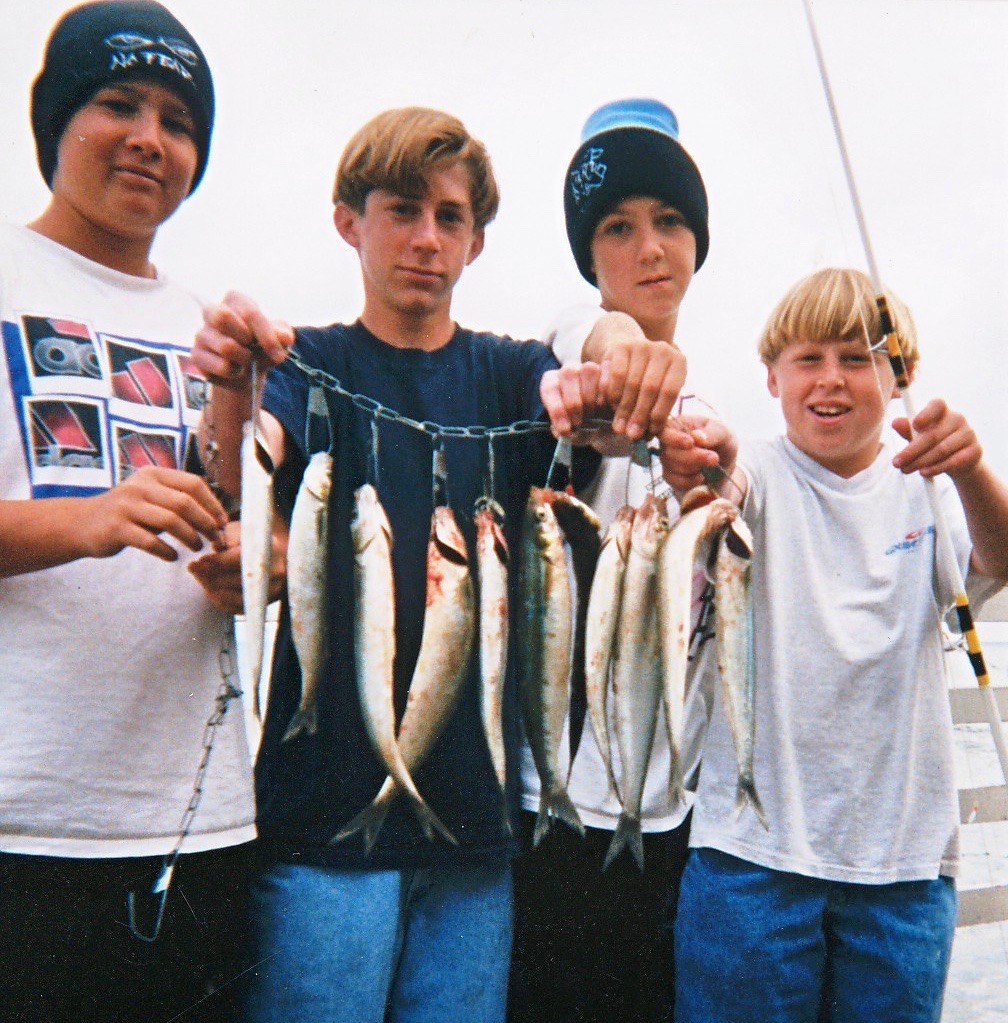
x=377, y=410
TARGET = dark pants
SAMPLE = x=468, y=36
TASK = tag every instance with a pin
x=67, y=952
x=593, y=946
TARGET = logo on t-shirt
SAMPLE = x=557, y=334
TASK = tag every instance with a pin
x=911, y=541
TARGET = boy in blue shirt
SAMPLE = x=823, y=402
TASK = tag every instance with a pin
x=413, y=929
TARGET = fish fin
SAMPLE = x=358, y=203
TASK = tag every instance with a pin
x=559, y=805
x=542, y=824
x=506, y=818
x=430, y=822
x=305, y=720
x=369, y=820
x=628, y=833
x=745, y=793
x=676, y=785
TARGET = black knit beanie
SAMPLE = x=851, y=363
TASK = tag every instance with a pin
x=630, y=148
x=97, y=44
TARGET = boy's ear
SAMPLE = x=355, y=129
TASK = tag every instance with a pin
x=346, y=223
x=476, y=245
x=771, y=382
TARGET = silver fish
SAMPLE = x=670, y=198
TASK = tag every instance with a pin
x=306, y=585
x=733, y=625
x=441, y=669
x=600, y=629
x=492, y=561
x=256, y=533
x=374, y=644
x=580, y=526
x=546, y=624
x=637, y=685
x=698, y=524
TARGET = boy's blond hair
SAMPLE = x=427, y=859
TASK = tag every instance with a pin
x=835, y=304
x=399, y=148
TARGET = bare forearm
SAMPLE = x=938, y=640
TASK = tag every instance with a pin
x=984, y=498
x=36, y=535
x=608, y=328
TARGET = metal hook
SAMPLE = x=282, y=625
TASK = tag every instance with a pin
x=491, y=471
x=563, y=454
x=439, y=472
x=160, y=892
x=374, y=450
x=317, y=406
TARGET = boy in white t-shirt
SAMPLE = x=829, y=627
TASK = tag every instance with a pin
x=843, y=907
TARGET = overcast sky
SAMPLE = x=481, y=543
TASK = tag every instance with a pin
x=922, y=91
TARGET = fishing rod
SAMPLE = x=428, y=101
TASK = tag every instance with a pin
x=947, y=562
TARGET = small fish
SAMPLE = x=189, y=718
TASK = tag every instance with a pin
x=306, y=586
x=546, y=624
x=374, y=644
x=702, y=517
x=256, y=532
x=492, y=562
x=637, y=685
x=581, y=529
x=441, y=669
x=600, y=629
x=733, y=625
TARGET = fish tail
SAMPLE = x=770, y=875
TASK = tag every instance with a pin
x=430, y=822
x=559, y=805
x=676, y=786
x=369, y=820
x=628, y=833
x=542, y=824
x=305, y=720
x=506, y=817
x=745, y=794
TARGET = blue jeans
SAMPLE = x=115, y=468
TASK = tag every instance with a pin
x=758, y=944
x=366, y=946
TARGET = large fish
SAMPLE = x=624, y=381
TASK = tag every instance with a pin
x=374, y=644
x=306, y=585
x=492, y=562
x=441, y=669
x=581, y=529
x=733, y=626
x=256, y=533
x=545, y=622
x=702, y=517
x=600, y=629
x=637, y=684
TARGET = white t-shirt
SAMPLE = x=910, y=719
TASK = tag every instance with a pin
x=619, y=481
x=109, y=668
x=853, y=746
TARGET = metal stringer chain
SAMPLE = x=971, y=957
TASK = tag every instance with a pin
x=228, y=690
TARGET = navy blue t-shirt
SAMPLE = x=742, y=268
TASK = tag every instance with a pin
x=309, y=787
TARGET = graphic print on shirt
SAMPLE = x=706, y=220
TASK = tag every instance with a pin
x=95, y=407
x=911, y=541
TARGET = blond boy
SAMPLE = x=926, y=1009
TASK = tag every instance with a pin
x=843, y=908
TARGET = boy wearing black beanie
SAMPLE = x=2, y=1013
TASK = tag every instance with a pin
x=592, y=938
x=122, y=850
